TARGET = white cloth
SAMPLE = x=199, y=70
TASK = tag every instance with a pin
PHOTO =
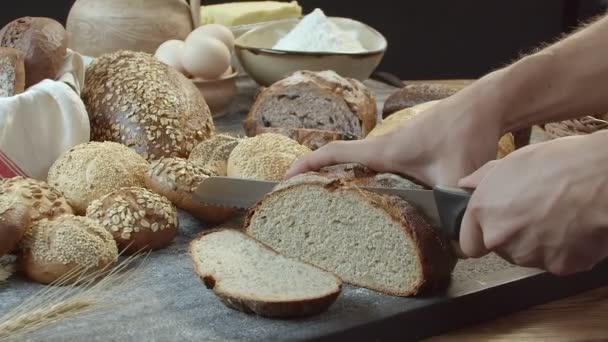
x=40, y=124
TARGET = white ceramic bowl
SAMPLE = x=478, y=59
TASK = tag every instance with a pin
x=219, y=93
x=266, y=65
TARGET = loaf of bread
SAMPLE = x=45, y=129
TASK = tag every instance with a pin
x=43, y=200
x=359, y=175
x=135, y=99
x=43, y=42
x=92, y=170
x=212, y=154
x=322, y=101
x=311, y=138
x=177, y=179
x=12, y=72
x=250, y=277
x=138, y=219
x=267, y=156
x=370, y=240
x=65, y=249
x=15, y=219
x=414, y=94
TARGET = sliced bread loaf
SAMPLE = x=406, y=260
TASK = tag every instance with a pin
x=248, y=276
x=375, y=241
x=12, y=72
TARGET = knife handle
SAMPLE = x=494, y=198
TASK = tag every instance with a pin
x=451, y=204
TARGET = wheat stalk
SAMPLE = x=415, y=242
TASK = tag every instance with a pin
x=67, y=297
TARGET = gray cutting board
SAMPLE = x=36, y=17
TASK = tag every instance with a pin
x=166, y=301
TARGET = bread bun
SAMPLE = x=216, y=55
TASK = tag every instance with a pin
x=212, y=154
x=139, y=101
x=138, y=219
x=44, y=201
x=15, y=219
x=177, y=179
x=44, y=43
x=267, y=156
x=91, y=170
x=65, y=248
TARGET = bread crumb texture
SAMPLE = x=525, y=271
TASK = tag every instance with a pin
x=70, y=239
x=7, y=76
x=212, y=154
x=131, y=210
x=267, y=156
x=178, y=174
x=135, y=99
x=91, y=170
x=45, y=201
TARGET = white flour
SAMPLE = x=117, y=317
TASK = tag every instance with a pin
x=316, y=33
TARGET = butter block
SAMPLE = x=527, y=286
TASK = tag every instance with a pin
x=249, y=12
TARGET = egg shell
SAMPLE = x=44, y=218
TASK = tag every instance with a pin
x=205, y=57
x=217, y=31
x=170, y=52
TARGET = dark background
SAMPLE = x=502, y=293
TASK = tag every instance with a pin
x=429, y=39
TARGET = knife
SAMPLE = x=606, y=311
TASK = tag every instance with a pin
x=444, y=206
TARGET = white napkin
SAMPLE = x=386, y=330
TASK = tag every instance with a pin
x=40, y=124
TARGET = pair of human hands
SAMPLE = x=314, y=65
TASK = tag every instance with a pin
x=541, y=206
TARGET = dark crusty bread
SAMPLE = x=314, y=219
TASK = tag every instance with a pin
x=15, y=220
x=248, y=276
x=375, y=241
x=43, y=42
x=321, y=101
x=135, y=99
x=414, y=94
x=12, y=72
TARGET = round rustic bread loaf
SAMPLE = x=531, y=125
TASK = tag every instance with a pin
x=177, y=179
x=414, y=94
x=15, y=219
x=91, y=170
x=45, y=201
x=64, y=248
x=323, y=101
x=138, y=219
x=212, y=154
x=135, y=99
x=44, y=43
x=267, y=156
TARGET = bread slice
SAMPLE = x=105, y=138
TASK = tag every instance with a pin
x=12, y=72
x=248, y=276
x=375, y=241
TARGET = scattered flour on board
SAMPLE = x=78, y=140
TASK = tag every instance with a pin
x=316, y=33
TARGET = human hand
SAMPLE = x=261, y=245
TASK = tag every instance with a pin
x=542, y=206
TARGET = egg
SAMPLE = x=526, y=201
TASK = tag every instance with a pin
x=170, y=53
x=219, y=32
x=205, y=57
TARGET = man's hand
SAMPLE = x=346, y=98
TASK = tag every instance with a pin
x=542, y=206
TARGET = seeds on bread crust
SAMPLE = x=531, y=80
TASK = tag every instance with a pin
x=15, y=220
x=45, y=201
x=212, y=154
x=138, y=219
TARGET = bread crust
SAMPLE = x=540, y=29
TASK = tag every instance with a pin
x=279, y=309
x=311, y=138
x=415, y=94
x=435, y=257
x=16, y=60
x=15, y=219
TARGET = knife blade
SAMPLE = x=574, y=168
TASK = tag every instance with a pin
x=443, y=206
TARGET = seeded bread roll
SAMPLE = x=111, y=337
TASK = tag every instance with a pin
x=91, y=170
x=45, y=201
x=138, y=219
x=267, y=156
x=415, y=94
x=212, y=154
x=135, y=99
x=15, y=219
x=322, y=101
x=44, y=43
x=12, y=72
x=311, y=138
x=64, y=248
x=177, y=179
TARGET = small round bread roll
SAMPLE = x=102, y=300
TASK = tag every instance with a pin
x=177, y=179
x=138, y=219
x=64, y=248
x=212, y=154
x=267, y=156
x=91, y=170
x=44, y=201
x=15, y=219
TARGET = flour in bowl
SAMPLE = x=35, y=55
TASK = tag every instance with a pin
x=316, y=33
